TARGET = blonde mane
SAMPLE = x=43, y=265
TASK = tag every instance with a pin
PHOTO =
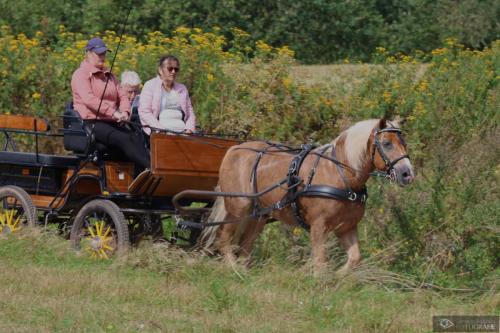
x=355, y=143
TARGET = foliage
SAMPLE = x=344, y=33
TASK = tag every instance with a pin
x=319, y=31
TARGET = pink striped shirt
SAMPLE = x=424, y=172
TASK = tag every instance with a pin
x=87, y=84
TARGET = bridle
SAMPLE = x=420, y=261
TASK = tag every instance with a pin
x=389, y=165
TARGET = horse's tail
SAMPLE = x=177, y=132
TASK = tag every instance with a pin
x=208, y=236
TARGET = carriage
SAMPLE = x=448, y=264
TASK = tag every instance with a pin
x=92, y=195
x=95, y=198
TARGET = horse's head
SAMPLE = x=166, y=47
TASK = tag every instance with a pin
x=389, y=153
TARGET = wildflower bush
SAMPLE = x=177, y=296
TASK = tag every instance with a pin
x=36, y=74
x=443, y=229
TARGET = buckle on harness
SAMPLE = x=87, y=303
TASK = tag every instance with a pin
x=352, y=196
x=279, y=205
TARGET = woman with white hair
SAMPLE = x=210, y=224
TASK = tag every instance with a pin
x=131, y=85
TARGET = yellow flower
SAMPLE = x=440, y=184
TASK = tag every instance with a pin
x=419, y=108
x=297, y=231
x=210, y=77
x=36, y=95
x=406, y=58
x=285, y=51
x=80, y=44
x=263, y=46
x=182, y=30
x=423, y=86
x=438, y=52
x=387, y=96
x=287, y=82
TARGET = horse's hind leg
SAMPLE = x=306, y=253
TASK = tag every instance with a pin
x=252, y=231
x=225, y=245
x=349, y=242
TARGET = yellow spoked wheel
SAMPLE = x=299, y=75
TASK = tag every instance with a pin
x=100, y=230
x=9, y=223
x=100, y=243
x=16, y=210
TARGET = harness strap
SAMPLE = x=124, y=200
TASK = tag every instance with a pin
x=340, y=170
x=330, y=192
x=293, y=181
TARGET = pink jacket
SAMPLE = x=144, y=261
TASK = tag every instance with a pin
x=88, y=84
x=149, y=107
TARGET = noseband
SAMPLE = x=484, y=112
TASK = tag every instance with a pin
x=389, y=165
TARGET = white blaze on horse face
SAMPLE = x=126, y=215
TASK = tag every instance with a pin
x=394, y=147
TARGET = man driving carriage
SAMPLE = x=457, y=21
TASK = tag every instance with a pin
x=104, y=105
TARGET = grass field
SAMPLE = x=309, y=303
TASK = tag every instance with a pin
x=46, y=287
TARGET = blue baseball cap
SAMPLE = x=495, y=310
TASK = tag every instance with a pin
x=96, y=45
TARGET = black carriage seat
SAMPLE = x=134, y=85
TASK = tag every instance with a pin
x=77, y=135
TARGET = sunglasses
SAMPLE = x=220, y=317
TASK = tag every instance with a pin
x=175, y=69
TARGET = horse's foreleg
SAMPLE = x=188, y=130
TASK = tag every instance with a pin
x=318, y=243
x=349, y=242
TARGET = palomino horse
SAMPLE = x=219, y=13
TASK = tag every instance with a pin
x=330, y=189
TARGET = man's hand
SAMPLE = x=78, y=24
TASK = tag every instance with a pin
x=120, y=116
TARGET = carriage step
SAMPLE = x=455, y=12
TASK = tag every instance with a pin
x=144, y=184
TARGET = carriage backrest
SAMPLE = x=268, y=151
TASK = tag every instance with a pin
x=77, y=136
x=23, y=123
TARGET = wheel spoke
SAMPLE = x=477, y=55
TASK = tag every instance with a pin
x=91, y=231
x=107, y=231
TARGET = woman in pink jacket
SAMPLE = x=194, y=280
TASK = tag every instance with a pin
x=103, y=105
x=165, y=104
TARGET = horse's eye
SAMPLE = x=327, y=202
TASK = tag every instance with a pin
x=387, y=144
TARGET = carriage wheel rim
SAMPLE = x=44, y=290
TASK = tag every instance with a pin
x=100, y=242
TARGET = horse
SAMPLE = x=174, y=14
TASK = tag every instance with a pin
x=327, y=186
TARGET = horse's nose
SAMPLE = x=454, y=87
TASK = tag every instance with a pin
x=406, y=174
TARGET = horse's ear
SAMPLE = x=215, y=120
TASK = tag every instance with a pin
x=382, y=123
x=398, y=121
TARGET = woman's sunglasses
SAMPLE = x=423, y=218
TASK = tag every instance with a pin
x=175, y=69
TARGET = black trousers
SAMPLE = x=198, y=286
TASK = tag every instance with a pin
x=119, y=137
